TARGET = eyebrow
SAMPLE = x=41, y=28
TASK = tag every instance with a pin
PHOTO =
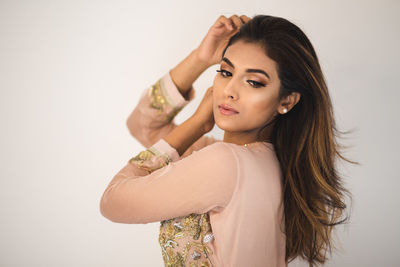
x=247, y=70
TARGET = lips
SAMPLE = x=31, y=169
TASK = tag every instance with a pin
x=227, y=110
x=227, y=107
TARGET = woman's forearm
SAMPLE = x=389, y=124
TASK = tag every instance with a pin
x=183, y=136
x=187, y=71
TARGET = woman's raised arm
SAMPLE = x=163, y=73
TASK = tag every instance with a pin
x=152, y=118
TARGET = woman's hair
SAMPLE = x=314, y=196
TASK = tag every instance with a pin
x=304, y=139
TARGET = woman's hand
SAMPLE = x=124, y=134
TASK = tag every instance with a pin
x=204, y=114
x=214, y=43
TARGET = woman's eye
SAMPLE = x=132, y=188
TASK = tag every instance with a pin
x=224, y=72
x=254, y=84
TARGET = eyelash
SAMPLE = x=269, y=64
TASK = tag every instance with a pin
x=256, y=84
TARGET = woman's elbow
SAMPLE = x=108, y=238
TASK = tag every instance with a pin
x=131, y=124
x=106, y=210
x=118, y=214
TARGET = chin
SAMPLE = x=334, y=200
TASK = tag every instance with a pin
x=229, y=126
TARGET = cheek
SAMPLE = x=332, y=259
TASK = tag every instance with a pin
x=260, y=105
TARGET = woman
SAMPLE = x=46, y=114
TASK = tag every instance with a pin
x=265, y=194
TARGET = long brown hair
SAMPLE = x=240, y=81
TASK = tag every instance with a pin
x=305, y=140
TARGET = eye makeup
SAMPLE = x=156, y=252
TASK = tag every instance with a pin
x=224, y=74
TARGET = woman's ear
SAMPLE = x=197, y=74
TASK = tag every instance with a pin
x=294, y=98
x=289, y=102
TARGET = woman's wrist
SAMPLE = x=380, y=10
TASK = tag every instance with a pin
x=200, y=124
x=187, y=71
x=184, y=135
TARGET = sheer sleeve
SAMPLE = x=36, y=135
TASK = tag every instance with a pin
x=152, y=118
x=157, y=184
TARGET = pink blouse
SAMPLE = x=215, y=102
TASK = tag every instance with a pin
x=219, y=203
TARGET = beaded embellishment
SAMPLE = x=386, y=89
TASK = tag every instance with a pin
x=150, y=159
x=185, y=241
x=159, y=100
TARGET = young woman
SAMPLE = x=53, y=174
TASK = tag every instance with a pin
x=269, y=191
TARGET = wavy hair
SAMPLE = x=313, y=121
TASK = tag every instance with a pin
x=305, y=140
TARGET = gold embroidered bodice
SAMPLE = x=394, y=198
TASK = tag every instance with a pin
x=185, y=241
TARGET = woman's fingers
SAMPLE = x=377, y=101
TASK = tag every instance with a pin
x=225, y=21
x=236, y=21
x=233, y=22
x=245, y=18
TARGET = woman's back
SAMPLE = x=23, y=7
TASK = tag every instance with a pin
x=249, y=231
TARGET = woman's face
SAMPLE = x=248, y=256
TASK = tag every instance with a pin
x=252, y=94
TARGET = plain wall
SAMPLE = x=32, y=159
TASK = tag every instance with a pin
x=72, y=71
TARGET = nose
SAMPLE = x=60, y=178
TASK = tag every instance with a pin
x=230, y=89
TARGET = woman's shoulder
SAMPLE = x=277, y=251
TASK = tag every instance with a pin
x=217, y=147
x=217, y=155
x=258, y=154
x=221, y=152
x=251, y=147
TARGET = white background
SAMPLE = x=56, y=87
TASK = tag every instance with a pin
x=72, y=71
